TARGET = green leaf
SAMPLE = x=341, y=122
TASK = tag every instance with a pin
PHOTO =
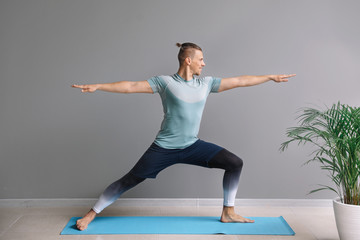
x=335, y=134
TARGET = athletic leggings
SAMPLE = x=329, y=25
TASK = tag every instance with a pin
x=223, y=159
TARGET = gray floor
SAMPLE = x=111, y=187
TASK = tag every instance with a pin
x=47, y=223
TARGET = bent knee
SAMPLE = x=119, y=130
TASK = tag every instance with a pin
x=232, y=162
x=236, y=162
x=226, y=160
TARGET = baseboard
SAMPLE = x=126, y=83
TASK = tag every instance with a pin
x=86, y=202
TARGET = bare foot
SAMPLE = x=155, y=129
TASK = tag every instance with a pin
x=82, y=223
x=228, y=215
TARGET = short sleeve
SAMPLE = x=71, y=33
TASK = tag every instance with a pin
x=215, y=84
x=156, y=84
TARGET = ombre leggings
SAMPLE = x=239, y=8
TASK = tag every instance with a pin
x=223, y=159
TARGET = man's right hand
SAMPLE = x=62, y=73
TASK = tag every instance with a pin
x=87, y=88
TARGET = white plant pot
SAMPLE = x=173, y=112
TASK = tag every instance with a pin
x=347, y=218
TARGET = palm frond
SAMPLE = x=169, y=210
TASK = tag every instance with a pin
x=335, y=134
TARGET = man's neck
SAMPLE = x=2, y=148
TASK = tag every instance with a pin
x=185, y=73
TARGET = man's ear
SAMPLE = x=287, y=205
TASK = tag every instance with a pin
x=188, y=60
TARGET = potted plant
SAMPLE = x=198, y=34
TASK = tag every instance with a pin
x=335, y=134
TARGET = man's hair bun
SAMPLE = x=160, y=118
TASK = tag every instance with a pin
x=187, y=49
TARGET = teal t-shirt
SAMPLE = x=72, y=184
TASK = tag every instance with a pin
x=183, y=103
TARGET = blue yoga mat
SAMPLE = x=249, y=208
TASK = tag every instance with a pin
x=179, y=225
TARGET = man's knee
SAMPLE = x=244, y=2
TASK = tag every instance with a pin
x=235, y=162
x=226, y=160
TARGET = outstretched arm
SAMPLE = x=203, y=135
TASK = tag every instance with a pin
x=117, y=87
x=247, y=81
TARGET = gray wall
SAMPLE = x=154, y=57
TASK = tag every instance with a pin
x=56, y=142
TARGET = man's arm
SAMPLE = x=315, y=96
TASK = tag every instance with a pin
x=247, y=81
x=118, y=87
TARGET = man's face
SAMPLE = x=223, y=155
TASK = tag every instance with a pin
x=197, y=63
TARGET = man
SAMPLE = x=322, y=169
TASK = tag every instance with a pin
x=183, y=97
